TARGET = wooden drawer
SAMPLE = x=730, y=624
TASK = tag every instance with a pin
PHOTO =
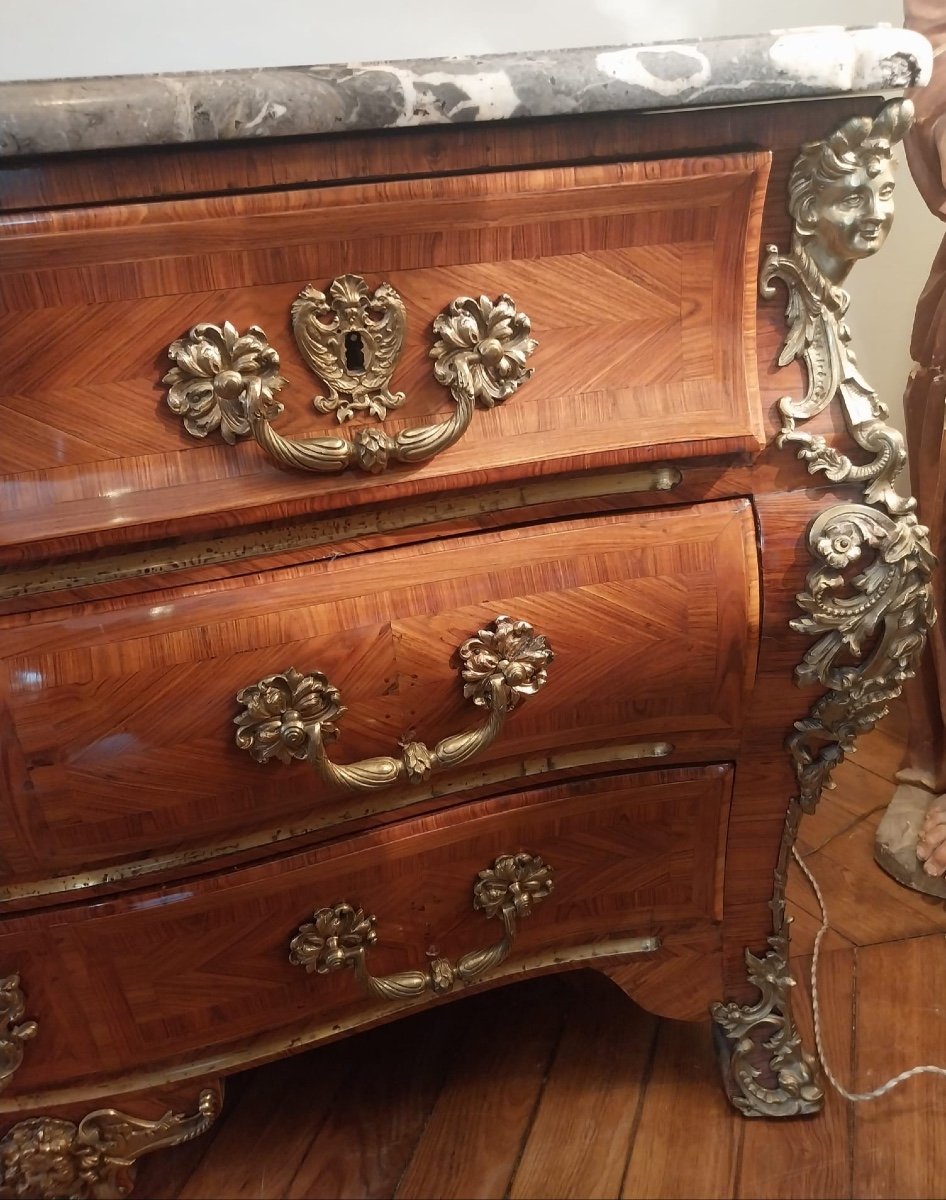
x=119, y=742
x=639, y=279
x=199, y=974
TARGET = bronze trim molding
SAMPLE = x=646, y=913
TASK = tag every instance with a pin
x=344, y=810
x=73, y=574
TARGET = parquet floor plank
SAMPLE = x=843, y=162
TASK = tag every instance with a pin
x=585, y=1123
x=899, y=1146
x=881, y=750
x=806, y=922
x=859, y=793
x=468, y=1148
x=375, y=1121
x=864, y=904
x=286, y=1102
x=683, y=1094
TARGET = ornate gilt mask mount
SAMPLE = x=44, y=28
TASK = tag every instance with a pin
x=868, y=600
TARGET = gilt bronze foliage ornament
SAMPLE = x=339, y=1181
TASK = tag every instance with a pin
x=867, y=599
x=339, y=936
x=227, y=381
x=95, y=1160
x=14, y=1031
x=208, y=379
x=278, y=711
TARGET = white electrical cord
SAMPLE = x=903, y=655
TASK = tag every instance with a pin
x=816, y=1010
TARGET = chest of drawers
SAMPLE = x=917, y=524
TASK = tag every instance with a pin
x=478, y=666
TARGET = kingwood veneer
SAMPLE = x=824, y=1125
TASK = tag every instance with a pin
x=628, y=501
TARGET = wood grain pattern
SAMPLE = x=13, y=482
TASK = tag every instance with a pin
x=894, y=1151
x=605, y=1065
x=91, y=447
x=640, y=278
x=683, y=1078
x=200, y=974
x=404, y=1099
x=120, y=743
x=512, y=1066
x=684, y=1141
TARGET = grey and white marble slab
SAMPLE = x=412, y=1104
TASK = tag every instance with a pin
x=51, y=116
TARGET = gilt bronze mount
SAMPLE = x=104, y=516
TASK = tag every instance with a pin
x=291, y=715
x=351, y=339
x=340, y=935
x=867, y=599
x=50, y=1157
x=14, y=1030
x=227, y=382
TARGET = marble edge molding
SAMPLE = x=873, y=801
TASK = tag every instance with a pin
x=110, y=112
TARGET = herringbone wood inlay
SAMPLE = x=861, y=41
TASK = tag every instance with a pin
x=183, y=976
x=651, y=617
x=661, y=366
x=606, y=296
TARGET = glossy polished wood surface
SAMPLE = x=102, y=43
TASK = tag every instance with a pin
x=189, y=975
x=637, y=356
x=667, y=605
x=596, y=1097
x=120, y=743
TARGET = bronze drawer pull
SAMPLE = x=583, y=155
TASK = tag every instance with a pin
x=339, y=936
x=290, y=715
x=227, y=381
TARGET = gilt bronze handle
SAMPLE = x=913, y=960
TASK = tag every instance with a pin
x=339, y=936
x=292, y=715
x=226, y=381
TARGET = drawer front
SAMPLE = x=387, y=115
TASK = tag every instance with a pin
x=121, y=752
x=186, y=974
x=638, y=278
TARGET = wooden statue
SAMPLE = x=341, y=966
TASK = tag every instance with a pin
x=911, y=840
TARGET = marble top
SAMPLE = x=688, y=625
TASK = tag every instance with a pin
x=51, y=116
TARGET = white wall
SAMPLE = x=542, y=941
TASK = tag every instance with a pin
x=59, y=38
x=52, y=38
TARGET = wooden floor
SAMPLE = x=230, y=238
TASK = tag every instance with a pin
x=561, y=1087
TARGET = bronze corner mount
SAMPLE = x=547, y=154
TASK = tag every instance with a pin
x=867, y=599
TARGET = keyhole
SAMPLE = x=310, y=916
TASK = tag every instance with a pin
x=354, y=353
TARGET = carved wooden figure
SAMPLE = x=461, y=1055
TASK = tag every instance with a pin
x=911, y=838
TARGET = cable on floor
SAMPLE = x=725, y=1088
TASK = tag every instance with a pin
x=927, y=1069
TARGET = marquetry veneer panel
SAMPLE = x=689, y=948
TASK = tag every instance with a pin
x=200, y=973
x=119, y=745
x=638, y=278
